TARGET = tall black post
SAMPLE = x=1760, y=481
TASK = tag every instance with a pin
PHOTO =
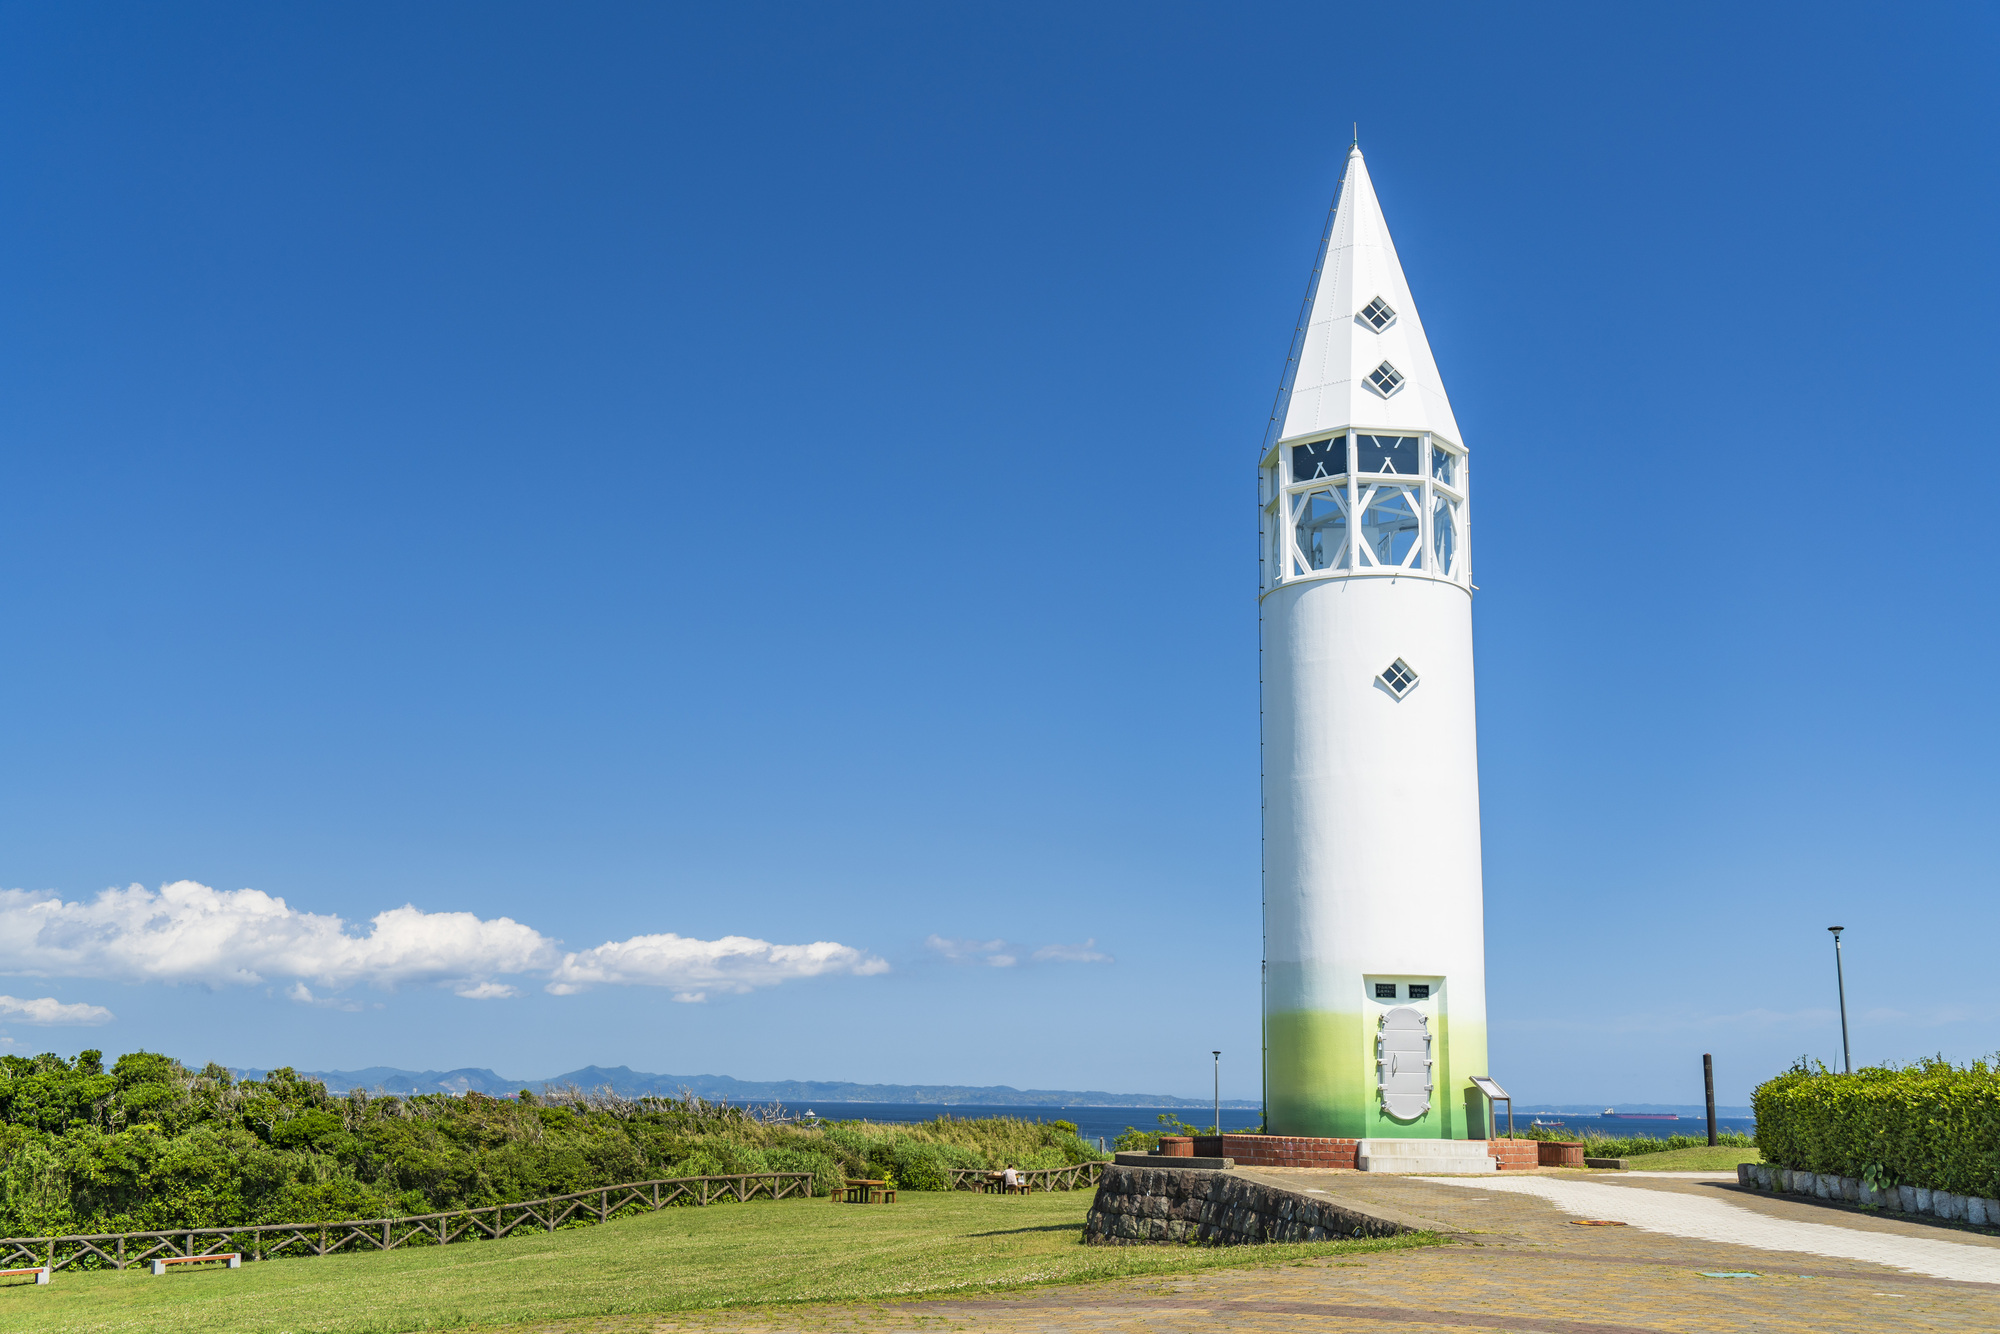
x=1840, y=978
x=1708, y=1081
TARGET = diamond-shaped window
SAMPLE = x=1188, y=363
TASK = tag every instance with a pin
x=1399, y=678
x=1379, y=314
x=1386, y=379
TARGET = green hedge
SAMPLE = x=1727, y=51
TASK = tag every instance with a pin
x=1930, y=1124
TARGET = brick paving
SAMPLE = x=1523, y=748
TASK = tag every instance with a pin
x=1521, y=1264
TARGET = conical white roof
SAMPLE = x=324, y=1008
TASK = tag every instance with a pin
x=1330, y=387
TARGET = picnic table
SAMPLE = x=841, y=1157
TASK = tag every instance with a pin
x=870, y=1190
x=997, y=1181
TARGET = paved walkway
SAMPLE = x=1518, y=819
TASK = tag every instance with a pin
x=1724, y=1220
x=1522, y=1263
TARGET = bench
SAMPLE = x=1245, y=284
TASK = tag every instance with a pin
x=41, y=1273
x=867, y=1190
x=235, y=1259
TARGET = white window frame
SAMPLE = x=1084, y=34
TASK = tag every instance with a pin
x=1276, y=508
x=1402, y=382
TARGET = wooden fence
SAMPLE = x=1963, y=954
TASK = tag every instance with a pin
x=270, y=1241
x=1077, y=1176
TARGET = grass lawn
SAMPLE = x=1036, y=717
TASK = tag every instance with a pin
x=760, y=1253
x=1722, y=1158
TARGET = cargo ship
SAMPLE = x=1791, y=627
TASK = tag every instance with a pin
x=1609, y=1115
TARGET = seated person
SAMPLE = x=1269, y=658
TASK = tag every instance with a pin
x=1010, y=1179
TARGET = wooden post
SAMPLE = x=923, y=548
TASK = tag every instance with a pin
x=1708, y=1080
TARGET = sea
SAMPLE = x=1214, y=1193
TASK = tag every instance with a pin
x=1585, y=1123
x=1107, y=1123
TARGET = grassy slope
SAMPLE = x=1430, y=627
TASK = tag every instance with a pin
x=677, y=1259
x=1703, y=1159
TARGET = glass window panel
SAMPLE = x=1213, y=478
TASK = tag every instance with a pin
x=1444, y=465
x=1321, y=458
x=1389, y=526
x=1321, y=522
x=1444, y=535
x=1387, y=453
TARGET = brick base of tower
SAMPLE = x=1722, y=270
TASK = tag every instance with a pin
x=1315, y=1151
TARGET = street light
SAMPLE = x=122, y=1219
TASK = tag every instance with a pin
x=1218, y=1093
x=1840, y=980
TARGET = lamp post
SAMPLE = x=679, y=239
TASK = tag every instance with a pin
x=1840, y=980
x=1218, y=1091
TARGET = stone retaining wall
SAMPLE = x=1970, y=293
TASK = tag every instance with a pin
x=1975, y=1209
x=1135, y=1205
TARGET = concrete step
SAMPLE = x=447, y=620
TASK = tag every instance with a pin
x=1423, y=1156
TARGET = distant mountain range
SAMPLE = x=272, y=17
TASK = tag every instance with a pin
x=636, y=1083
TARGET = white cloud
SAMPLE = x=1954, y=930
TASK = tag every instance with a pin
x=694, y=967
x=990, y=952
x=485, y=990
x=1084, y=953
x=999, y=954
x=49, y=1010
x=190, y=933
x=302, y=993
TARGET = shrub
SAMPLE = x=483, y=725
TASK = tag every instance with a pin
x=829, y=1177
x=1597, y=1144
x=1135, y=1140
x=722, y=1158
x=1929, y=1124
x=915, y=1165
x=147, y=1143
x=995, y=1141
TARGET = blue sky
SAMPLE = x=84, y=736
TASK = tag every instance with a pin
x=787, y=472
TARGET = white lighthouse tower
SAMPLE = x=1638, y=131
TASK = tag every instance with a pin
x=1374, y=944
